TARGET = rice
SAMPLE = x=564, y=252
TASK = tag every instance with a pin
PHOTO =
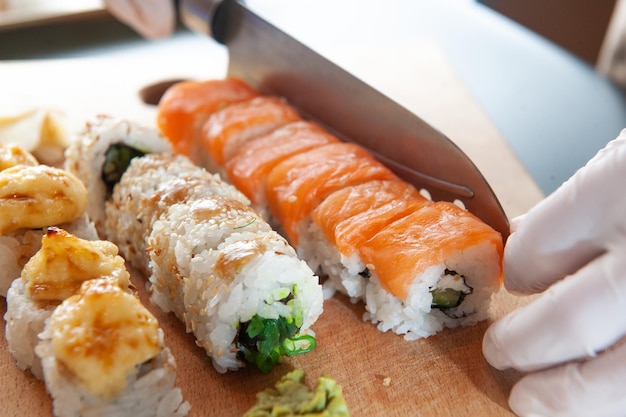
x=217, y=274
x=86, y=155
x=150, y=185
x=25, y=319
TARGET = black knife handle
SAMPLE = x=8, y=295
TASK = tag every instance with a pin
x=209, y=17
x=197, y=15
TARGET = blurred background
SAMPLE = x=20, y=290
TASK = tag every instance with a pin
x=551, y=74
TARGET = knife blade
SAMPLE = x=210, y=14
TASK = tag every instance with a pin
x=277, y=64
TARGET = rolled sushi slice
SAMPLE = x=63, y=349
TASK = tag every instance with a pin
x=34, y=197
x=150, y=185
x=436, y=267
x=186, y=106
x=235, y=283
x=228, y=130
x=53, y=274
x=100, y=154
x=344, y=221
x=250, y=166
x=103, y=353
x=298, y=184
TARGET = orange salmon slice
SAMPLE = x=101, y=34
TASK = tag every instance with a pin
x=186, y=105
x=227, y=130
x=350, y=216
x=296, y=185
x=249, y=167
x=405, y=248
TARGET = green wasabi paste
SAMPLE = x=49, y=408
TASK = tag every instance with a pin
x=291, y=397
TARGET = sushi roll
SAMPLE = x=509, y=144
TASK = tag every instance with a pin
x=298, y=184
x=34, y=197
x=433, y=268
x=236, y=284
x=345, y=220
x=53, y=274
x=227, y=130
x=186, y=106
x=150, y=185
x=102, y=151
x=103, y=353
x=249, y=167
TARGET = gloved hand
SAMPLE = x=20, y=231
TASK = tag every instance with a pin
x=152, y=19
x=573, y=246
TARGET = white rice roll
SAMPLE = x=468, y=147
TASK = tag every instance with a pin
x=17, y=247
x=90, y=376
x=217, y=264
x=149, y=186
x=53, y=273
x=86, y=156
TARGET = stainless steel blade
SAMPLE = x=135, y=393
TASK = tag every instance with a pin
x=275, y=63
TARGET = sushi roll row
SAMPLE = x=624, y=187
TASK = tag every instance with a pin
x=34, y=197
x=418, y=265
x=210, y=257
x=73, y=318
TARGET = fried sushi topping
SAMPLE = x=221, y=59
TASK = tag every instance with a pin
x=102, y=334
x=12, y=155
x=38, y=196
x=64, y=261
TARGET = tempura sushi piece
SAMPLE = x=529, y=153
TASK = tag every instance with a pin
x=185, y=107
x=150, y=185
x=53, y=274
x=249, y=167
x=436, y=267
x=12, y=154
x=298, y=184
x=228, y=130
x=234, y=282
x=103, y=353
x=344, y=221
x=34, y=197
x=102, y=152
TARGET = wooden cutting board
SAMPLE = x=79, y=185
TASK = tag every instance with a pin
x=381, y=374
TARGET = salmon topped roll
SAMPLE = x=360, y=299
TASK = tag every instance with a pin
x=186, y=105
x=249, y=167
x=345, y=220
x=227, y=130
x=436, y=267
x=298, y=184
x=418, y=265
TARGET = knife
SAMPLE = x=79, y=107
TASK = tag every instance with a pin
x=277, y=64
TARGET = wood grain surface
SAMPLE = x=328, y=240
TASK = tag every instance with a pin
x=381, y=374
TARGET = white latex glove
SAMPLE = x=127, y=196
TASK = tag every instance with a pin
x=152, y=19
x=573, y=246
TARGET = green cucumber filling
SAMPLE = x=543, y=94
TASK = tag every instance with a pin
x=264, y=341
x=449, y=291
x=116, y=161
